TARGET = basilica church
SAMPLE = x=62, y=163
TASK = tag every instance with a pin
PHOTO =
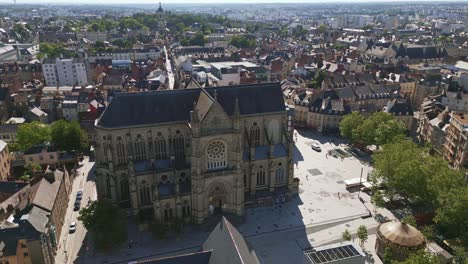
x=187, y=154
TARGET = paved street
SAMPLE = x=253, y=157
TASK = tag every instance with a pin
x=170, y=74
x=279, y=233
x=72, y=243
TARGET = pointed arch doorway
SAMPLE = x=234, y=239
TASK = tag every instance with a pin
x=217, y=197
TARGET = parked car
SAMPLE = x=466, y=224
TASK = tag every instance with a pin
x=77, y=206
x=79, y=195
x=72, y=228
x=316, y=147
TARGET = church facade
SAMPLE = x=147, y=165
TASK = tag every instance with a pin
x=187, y=153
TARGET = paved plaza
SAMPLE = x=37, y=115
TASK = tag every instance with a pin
x=278, y=233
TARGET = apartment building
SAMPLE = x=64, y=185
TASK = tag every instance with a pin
x=456, y=142
x=64, y=72
x=4, y=161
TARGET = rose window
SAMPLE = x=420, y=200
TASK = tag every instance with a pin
x=216, y=155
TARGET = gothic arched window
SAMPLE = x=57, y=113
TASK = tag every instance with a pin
x=186, y=209
x=178, y=142
x=108, y=186
x=122, y=158
x=279, y=173
x=124, y=189
x=216, y=155
x=168, y=212
x=255, y=135
x=261, y=176
x=140, y=150
x=104, y=149
x=160, y=146
x=144, y=193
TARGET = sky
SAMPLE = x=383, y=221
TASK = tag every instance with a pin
x=198, y=1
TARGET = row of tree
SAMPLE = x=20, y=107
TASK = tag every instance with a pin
x=66, y=136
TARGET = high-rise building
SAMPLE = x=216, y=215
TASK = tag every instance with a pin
x=64, y=72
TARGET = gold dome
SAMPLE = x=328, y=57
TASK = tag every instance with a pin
x=401, y=234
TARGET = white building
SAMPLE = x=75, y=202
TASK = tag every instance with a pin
x=137, y=54
x=391, y=22
x=64, y=72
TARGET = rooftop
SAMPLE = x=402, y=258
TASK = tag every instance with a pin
x=334, y=253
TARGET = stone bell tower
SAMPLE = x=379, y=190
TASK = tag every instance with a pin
x=161, y=17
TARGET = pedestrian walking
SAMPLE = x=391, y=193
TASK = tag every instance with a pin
x=339, y=197
x=307, y=177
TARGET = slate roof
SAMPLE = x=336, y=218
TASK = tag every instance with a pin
x=228, y=245
x=345, y=93
x=10, y=236
x=191, y=258
x=363, y=91
x=155, y=107
x=11, y=186
x=399, y=107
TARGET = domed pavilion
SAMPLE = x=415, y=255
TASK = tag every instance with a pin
x=401, y=238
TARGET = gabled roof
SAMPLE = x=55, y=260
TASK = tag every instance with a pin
x=45, y=193
x=155, y=107
x=229, y=246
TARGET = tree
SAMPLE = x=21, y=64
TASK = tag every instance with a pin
x=346, y=235
x=378, y=200
x=30, y=169
x=421, y=257
x=409, y=219
x=388, y=256
x=242, y=42
x=460, y=256
x=349, y=123
x=30, y=134
x=362, y=234
x=68, y=136
x=23, y=34
x=104, y=220
x=322, y=29
x=428, y=232
x=452, y=211
x=386, y=132
x=365, y=134
x=399, y=166
x=197, y=40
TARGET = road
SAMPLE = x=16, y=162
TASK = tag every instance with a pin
x=70, y=244
x=170, y=74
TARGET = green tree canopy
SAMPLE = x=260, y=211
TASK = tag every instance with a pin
x=378, y=129
x=349, y=124
x=197, y=40
x=54, y=50
x=421, y=257
x=362, y=234
x=68, y=136
x=105, y=222
x=410, y=220
x=30, y=134
x=378, y=200
x=322, y=29
x=452, y=212
x=346, y=235
x=242, y=42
